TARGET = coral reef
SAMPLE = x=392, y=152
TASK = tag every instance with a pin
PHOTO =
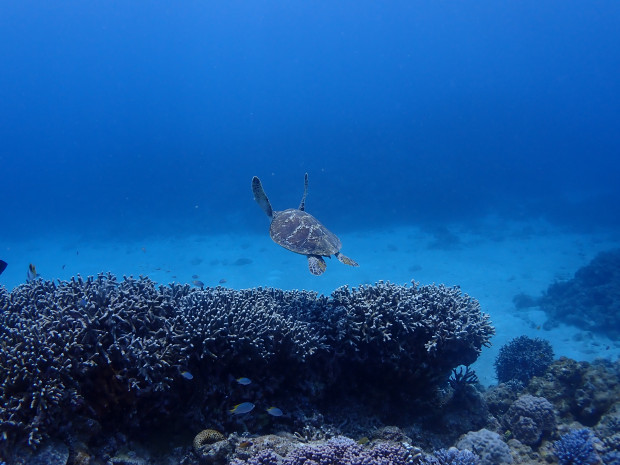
x=579, y=391
x=523, y=358
x=508, y=404
x=488, y=445
x=92, y=344
x=337, y=451
x=460, y=379
x=207, y=437
x=414, y=336
x=499, y=398
x=530, y=417
x=132, y=355
x=96, y=371
x=577, y=448
x=591, y=299
x=452, y=456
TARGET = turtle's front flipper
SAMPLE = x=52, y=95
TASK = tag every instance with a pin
x=346, y=260
x=316, y=264
x=261, y=197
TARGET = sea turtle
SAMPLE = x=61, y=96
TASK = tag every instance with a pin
x=300, y=232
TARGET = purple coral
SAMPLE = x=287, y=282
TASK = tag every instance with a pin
x=451, y=456
x=339, y=450
x=577, y=448
x=529, y=418
x=336, y=451
x=488, y=445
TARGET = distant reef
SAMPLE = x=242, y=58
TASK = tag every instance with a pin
x=591, y=299
x=93, y=363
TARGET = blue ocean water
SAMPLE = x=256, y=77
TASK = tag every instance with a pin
x=150, y=118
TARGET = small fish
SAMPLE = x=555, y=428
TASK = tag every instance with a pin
x=274, y=411
x=363, y=441
x=239, y=409
x=187, y=375
x=63, y=267
x=244, y=381
x=195, y=276
x=83, y=302
x=32, y=273
x=222, y=281
x=199, y=284
x=245, y=444
x=3, y=265
x=144, y=249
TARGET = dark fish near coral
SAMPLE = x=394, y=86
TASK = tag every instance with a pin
x=32, y=274
x=195, y=276
x=222, y=281
x=274, y=411
x=199, y=284
x=244, y=381
x=3, y=265
x=239, y=409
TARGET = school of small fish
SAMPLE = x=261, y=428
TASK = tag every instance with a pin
x=247, y=407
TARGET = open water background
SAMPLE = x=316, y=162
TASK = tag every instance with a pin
x=131, y=119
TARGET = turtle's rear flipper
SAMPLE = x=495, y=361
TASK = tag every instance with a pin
x=316, y=264
x=346, y=260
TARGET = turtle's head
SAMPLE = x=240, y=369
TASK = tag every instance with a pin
x=261, y=197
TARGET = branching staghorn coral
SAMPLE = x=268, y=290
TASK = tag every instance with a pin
x=116, y=351
x=259, y=323
x=397, y=335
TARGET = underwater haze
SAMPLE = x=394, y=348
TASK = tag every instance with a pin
x=132, y=119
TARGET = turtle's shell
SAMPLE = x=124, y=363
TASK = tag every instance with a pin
x=302, y=233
